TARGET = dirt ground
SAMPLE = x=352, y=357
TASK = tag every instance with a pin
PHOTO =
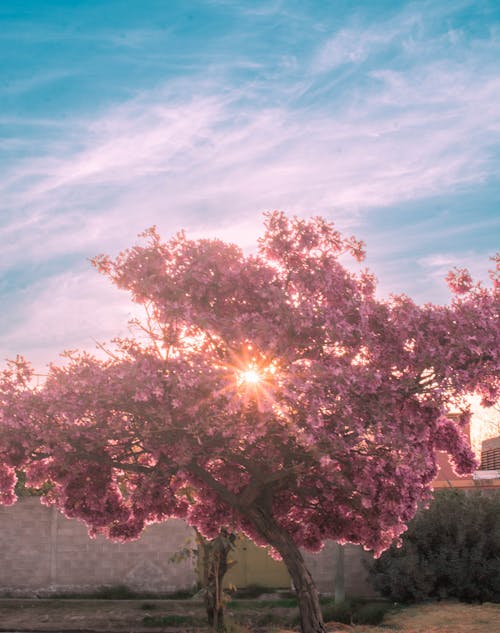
x=71, y=615
x=442, y=617
x=127, y=616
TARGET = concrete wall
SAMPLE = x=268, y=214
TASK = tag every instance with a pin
x=255, y=567
x=42, y=553
x=356, y=561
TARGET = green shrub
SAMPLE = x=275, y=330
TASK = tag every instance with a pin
x=180, y=594
x=114, y=592
x=106, y=592
x=450, y=550
x=22, y=490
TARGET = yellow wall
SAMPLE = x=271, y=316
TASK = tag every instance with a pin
x=254, y=566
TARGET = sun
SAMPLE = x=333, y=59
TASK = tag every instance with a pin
x=250, y=376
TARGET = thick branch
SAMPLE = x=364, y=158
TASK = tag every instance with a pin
x=225, y=494
x=255, y=488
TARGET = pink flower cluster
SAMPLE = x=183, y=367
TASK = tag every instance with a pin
x=337, y=442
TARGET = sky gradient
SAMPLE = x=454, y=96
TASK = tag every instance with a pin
x=116, y=116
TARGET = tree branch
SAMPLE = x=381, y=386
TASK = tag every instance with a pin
x=225, y=494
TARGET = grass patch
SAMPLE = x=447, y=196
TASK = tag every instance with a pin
x=172, y=619
x=269, y=619
x=445, y=617
x=123, y=615
x=252, y=591
x=122, y=592
x=355, y=612
x=278, y=603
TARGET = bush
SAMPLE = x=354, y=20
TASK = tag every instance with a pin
x=122, y=592
x=252, y=591
x=451, y=550
x=114, y=592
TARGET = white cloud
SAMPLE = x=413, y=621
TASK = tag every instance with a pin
x=165, y=161
x=206, y=159
x=437, y=265
x=68, y=311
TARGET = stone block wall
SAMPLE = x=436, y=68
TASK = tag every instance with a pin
x=356, y=561
x=44, y=553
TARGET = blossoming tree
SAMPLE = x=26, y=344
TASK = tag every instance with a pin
x=273, y=394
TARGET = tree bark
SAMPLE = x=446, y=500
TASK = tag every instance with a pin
x=215, y=565
x=311, y=618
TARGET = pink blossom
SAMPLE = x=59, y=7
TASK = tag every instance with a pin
x=337, y=442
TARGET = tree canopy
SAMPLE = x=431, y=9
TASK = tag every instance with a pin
x=271, y=393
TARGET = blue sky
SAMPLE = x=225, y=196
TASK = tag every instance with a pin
x=115, y=115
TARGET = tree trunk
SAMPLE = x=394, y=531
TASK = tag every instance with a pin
x=215, y=565
x=311, y=618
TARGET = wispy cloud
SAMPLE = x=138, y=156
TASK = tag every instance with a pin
x=415, y=135
x=437, y=265
x=70, y=310
x=350, y=46
x=416, y=31
x=26, y=84
x=371, y=116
